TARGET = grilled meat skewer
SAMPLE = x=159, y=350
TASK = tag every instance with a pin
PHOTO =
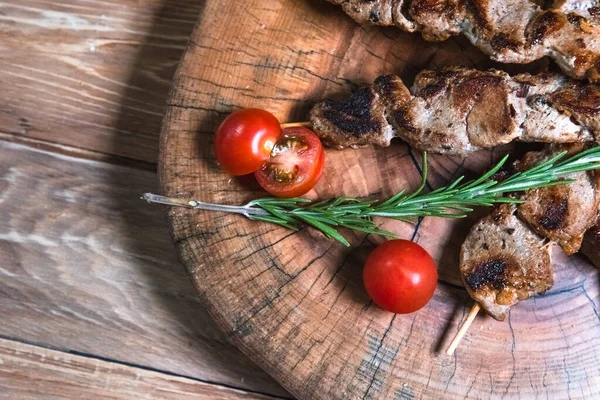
x=591, y=244
x=509, y=31
x=502, y=262
x=456, y=111
x=562, y=213
x=505, y=259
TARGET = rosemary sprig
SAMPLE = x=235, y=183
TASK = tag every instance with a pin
x=451, y=201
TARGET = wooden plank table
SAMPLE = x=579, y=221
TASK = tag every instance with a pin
x=93, y=300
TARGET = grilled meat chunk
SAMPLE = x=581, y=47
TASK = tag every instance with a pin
x=513, y=236
x=589, y=9
x=591, y=244
x=456, y=111
x=357, y=121
x=502, y=262
x=561, y=213
x=379, y=12
x=509, y=31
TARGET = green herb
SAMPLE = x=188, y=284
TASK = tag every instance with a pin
x=452, y=201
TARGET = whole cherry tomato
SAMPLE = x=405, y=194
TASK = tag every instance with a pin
x=244, y=141
x=295, y=165
x=400, y=276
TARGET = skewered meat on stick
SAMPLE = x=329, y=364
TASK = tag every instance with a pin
x=509, y=31
x=456, y=111
x=561, y=213
x=504, y=259
x=591, y=244
x=502, y=262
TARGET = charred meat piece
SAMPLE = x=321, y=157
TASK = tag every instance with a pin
x=581, y=102
x=514, y=236
x=502, y=262
x=456, y=111
x=591, y=244
x=375, y=12
x=357, y=121
x=561, y=213
x=589, y=9
x=509, y=31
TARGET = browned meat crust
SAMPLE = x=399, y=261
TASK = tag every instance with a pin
x=561, y=213
x=512, y=237
x=502, y=262
x=589, y=9
x=510, y=31
x=591, y=244
x=457, y=110
x=357, y=121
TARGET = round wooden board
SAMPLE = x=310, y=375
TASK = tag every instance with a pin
x=294, y=301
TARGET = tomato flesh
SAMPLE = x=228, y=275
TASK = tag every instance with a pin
x=400, y=276
x=295, y=165
x=244, y=141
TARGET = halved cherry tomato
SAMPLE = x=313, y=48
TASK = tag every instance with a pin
x=400, y=276
x=244, y=141
x=295, y=165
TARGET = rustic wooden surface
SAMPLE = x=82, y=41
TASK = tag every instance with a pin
x=33, y=372
x=293, y=301
x=93, y=300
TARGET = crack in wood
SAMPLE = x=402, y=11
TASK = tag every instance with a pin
x=471, y=385
x=512, y=355
x=377, y=353
x=199, y=108
x=291, y=68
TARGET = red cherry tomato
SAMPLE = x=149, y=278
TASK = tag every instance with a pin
x=400, y=276
x=295, y=165
x=245, y=139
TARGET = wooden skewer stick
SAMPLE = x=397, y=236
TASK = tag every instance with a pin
x=463, y=329
x=305, y=124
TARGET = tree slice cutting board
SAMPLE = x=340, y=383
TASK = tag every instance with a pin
x=294, y=301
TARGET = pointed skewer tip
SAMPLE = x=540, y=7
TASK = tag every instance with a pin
x=463, y=329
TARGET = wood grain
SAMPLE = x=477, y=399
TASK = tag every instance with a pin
x=294, y=301
x=30, y=372
x=93, y=75
x=87, y=267
x=90, y=79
